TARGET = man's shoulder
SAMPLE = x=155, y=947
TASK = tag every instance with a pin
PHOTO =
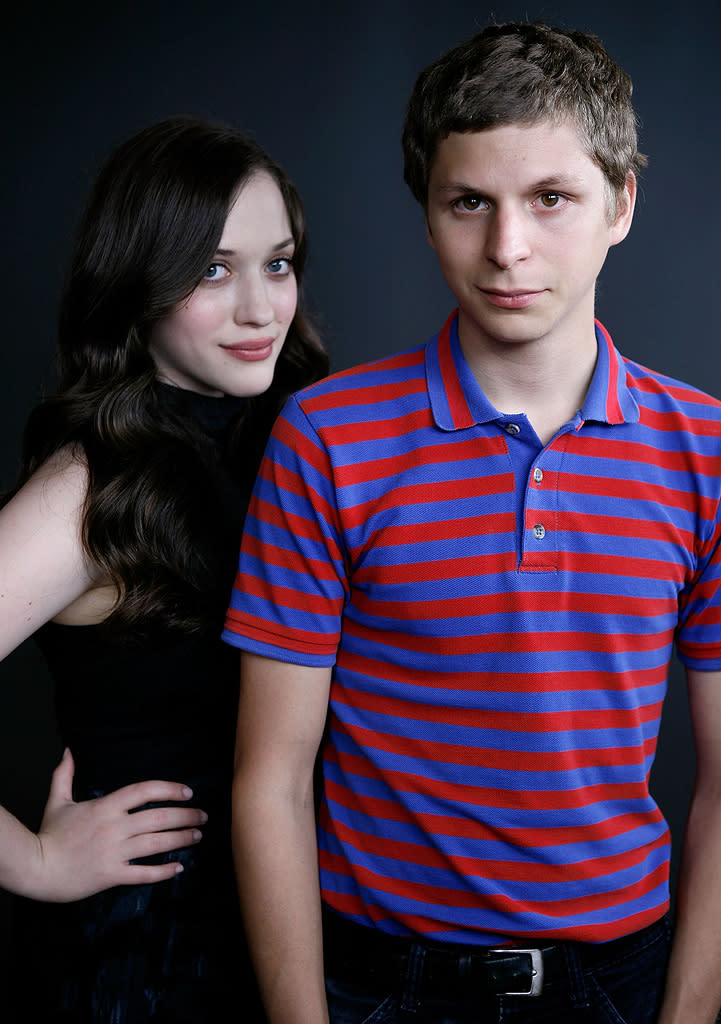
x=661, y=390
x=389, y=374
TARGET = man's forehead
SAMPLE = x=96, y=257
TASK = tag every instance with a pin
x=565, y=126
x=557, y=144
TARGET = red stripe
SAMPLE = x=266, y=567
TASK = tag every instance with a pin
x=613, y=407
x=402, y=360
x=619, y=526
x=673, y=421
x=491, y=758
x=503, y=721
x=504, y=682
x=448, y=897
x=597, y=564
x=634, y=491
x=507, y=643
x=529, y=839
x=363, y=394
x=593, y=563
x=429, y=493
x=350, y=904
x=283, y=597
x=447, y=529
x=482, y=796
x=305, y=451
x=428, y=455
x=297, y=526
x=288, y=480
x=255, y=628
x=683, y=393
x=339, y=434
x=291, y=560
x=503, y=603
x=646, y=455
x=460, y=413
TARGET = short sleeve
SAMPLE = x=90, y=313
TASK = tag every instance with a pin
x=291, y=585
x=698, y=639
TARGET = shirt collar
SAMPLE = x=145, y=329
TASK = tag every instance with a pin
x=457, y=400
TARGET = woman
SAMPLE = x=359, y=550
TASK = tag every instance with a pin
x=179, y=339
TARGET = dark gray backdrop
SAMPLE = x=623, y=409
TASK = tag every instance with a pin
x=324, y=87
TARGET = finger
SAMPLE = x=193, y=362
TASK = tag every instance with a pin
x=160, y=842
x=61, y=784
x=159, y=819
x=139, y=793
x=143, y=874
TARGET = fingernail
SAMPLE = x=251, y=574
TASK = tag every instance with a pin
x=203, y=817
x=179, y=868
x=197, y=834
x=187, y=791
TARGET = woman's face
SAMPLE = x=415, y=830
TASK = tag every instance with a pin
x=225, y=339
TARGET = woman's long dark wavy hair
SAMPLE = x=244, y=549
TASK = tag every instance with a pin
x=151, y=227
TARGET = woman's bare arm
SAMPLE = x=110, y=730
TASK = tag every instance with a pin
x=80, y=848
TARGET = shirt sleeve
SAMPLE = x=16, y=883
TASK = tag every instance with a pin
x=291, y=584
x=698, y=639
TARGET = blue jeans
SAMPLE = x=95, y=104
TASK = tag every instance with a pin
x=621, y=985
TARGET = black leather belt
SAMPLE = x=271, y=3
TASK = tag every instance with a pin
x=357, y=953
x=490, y=971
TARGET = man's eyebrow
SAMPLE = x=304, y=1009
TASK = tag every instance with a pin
x=457, y=186
x=557, y=181
x=549, y=182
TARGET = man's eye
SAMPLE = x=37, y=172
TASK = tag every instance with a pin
x=550, y=199
x=469, y=203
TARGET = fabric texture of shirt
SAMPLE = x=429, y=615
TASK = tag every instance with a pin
x=500, y=653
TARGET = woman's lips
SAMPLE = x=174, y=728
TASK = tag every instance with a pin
x=250, y=351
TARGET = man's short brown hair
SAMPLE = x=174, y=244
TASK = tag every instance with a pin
x=521, y=73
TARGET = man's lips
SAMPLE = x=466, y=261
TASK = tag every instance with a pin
x=516, y=298
x=250, y=351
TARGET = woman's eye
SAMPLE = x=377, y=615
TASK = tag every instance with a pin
x=281, y=265
x=215, y=272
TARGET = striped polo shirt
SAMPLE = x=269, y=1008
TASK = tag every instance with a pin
x=500, y=616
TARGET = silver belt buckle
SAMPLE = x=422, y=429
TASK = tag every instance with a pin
x=536, y=969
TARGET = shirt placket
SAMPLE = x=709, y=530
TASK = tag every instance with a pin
x=540, y=537
x=541, y=534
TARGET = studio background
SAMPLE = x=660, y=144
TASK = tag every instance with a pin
x=324, y=87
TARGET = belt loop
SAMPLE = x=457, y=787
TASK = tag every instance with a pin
x=576, y=977
x=411, y=994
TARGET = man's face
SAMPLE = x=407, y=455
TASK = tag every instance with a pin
x=519, y=217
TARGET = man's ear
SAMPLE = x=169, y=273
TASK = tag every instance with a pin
x=625, y=205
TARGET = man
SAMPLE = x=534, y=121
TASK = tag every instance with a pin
x=482, y=550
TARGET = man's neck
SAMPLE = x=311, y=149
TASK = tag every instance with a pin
x=546, y=379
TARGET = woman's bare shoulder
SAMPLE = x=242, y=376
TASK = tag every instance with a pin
x=43, y=565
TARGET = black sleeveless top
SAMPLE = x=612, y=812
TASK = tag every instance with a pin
x=165, y=707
